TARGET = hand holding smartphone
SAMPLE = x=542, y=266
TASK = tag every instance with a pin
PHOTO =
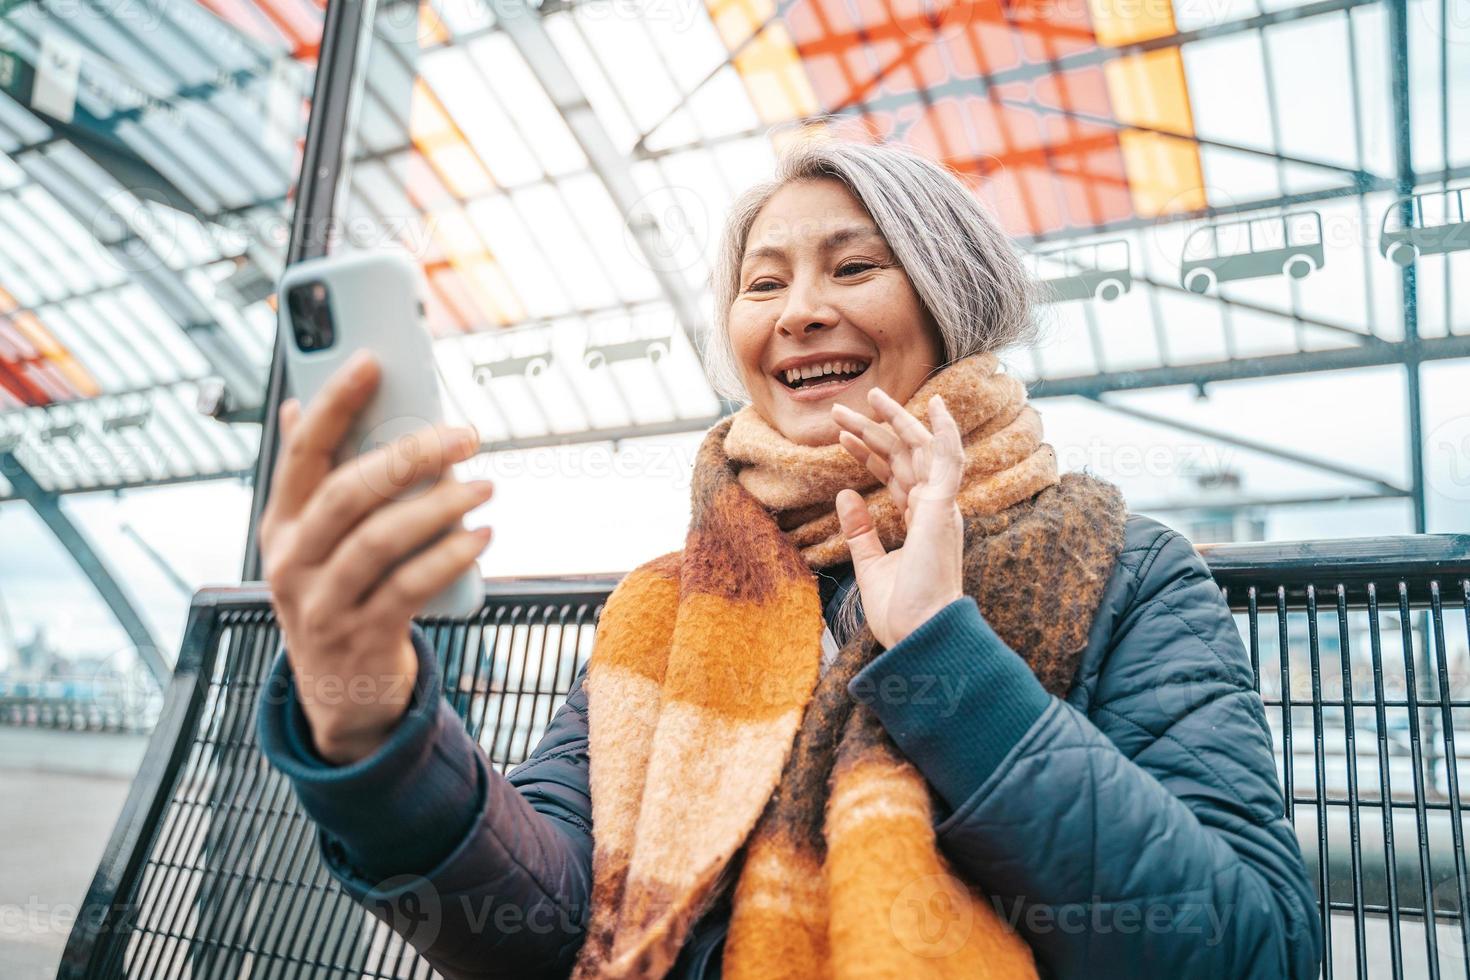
x=363, y=529
x=335, y=306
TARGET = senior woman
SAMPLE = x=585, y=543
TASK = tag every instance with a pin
x=907, y=704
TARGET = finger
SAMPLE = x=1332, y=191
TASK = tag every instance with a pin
x=374, y=479
x=389, y=534
x=421, y=577
x=908, y=428
x=875, y=436
x=854, y=446
x=289, y=416
x=307, y=459
x=857, y=527
x=906, y=471
x=853, y=441
x=947, y=454
x=894, y=458
x=874, y=463
x=897, y=474
x=899, y=491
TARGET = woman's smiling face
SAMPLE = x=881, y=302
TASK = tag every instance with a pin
x=820, y=294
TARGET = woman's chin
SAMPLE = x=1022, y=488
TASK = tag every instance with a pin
x=808, y=427
x=806, y=419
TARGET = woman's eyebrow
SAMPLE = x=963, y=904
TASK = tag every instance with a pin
x=839, y=237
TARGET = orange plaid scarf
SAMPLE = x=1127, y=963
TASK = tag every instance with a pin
x=718, y=755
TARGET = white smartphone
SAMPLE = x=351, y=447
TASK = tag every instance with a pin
x=329, y=308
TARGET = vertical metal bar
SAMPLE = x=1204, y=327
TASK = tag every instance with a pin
x=500, y=626
x=454, y=666
x=1288, y=776
x=321, y=165
x=1253, y=617
x=1385, y=788
x=1354, y=832
x=1444, y=151
x=1406, y=632
x=546, y=612
x=1398, y=37
x=1319, y=763
x=475, y=641
x=1452, y=775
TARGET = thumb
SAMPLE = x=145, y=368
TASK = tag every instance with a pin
x=857, y=526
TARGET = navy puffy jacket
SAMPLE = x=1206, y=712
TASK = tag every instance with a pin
x=1134, y=829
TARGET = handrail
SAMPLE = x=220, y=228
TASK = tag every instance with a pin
x=1353, y=563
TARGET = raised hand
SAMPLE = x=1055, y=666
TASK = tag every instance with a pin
x=903, y=588
x=330, y=538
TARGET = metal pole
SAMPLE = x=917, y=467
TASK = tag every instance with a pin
x=1398, y=39
x=321, y=165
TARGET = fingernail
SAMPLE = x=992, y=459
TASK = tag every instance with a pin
x=482, y=488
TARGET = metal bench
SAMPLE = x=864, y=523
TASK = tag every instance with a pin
x=212, y=870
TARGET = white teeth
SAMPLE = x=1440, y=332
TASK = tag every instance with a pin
x=794, y=375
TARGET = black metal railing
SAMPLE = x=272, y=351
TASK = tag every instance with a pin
x=98, y=699
x=1364, y=712
x=212, y=871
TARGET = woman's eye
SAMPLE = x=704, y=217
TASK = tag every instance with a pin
x=758, y=287
x=853, y=268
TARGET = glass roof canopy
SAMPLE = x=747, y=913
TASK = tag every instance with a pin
x=145, y=163
x=561, y=173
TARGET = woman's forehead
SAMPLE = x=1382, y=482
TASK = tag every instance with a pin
x=822, y=236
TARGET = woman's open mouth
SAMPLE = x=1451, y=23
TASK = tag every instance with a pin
x=814, y=381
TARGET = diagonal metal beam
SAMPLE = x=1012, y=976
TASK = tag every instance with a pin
x=47, y=506
x=523, y=25
x=1250, y=445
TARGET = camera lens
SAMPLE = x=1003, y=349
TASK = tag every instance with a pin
x=311, y=315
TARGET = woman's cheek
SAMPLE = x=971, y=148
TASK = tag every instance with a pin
x=745, y=342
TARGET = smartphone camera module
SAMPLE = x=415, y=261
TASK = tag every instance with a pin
x=311, y=315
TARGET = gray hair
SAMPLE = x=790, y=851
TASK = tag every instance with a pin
x=966, y=272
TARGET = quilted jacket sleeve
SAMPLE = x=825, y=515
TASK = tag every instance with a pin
x=1158, y=849
x=488, y=876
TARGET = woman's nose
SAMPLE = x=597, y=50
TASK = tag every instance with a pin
x=805, y=312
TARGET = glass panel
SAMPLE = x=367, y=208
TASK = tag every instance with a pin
x=147, y=161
